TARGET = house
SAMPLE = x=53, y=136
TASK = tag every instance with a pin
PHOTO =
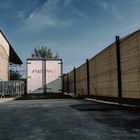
x=7, y=57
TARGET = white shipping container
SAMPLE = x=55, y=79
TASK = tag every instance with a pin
x=44, y=76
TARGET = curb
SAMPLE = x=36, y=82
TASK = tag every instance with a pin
x=111, y=103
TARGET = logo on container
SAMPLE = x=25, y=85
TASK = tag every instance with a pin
x=41, y=71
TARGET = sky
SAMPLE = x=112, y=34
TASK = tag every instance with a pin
x=76, y=29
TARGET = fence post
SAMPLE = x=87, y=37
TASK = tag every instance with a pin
x=88, y=86
x=74, y=81
x=118, y=67
x=67, y=83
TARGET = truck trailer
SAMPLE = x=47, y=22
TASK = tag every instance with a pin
x=44, y=76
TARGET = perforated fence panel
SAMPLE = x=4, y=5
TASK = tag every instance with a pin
x=114, y=72
x=130, y=66
x=65, y=83
x=103, y=73
x=71, y=81
x=81, y=80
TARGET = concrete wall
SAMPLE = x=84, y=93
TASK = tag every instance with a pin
x=4, y=44
x=4, y=58
x=4, y=63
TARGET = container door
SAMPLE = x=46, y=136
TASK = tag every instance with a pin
x=35, y=76
x=54, y=76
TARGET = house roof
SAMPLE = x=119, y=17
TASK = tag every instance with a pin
x=13, y=58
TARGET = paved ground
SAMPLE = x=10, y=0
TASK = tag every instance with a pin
x=67, y=119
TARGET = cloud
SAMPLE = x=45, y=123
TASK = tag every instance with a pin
x=117, y=14
x=80, y=14
x=67, y=2
x=49, y=15
x=104, y=5
x=53, y=13
x=111, y=8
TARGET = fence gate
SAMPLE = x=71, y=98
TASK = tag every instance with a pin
x=12, y=88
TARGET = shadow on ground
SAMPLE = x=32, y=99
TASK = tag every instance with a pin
x=39, y=96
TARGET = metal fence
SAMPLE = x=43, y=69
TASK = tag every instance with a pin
x=12, y=88
x=114, y=72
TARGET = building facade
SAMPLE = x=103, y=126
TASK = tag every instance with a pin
x=7, y=56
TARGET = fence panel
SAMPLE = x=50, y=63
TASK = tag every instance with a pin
x=65, y=83
x=130, y=66
x=71, y=81
x=11, y=88
x=81, y=80
x=114, y=72
x=103, y=73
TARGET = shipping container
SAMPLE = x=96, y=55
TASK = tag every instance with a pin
x=44, y=76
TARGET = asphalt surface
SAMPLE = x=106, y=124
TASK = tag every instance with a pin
x=67, y=119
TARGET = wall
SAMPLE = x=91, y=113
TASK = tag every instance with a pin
x=4, y=44
x=4, y=58
x=4, y=63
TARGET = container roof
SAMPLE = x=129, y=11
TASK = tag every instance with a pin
x=13, y=58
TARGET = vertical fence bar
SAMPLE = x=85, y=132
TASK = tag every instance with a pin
x=88, y=86
x=118, y=67
x=74, y=81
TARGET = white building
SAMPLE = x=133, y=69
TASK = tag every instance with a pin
x=7, y=56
